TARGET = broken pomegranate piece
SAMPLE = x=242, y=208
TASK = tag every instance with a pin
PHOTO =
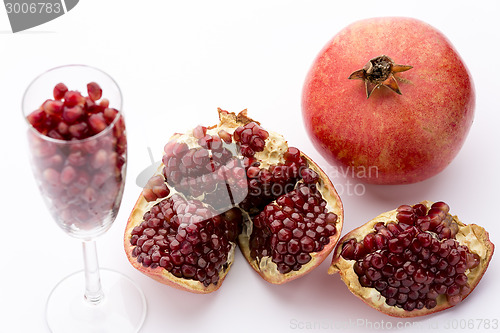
x=292, y=228
x=232, y=183
x=186, y=238
x=414, y=260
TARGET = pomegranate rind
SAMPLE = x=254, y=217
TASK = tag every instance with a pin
x=234, y=120
x=159, y=273
x=267, y=269
x=475, y=237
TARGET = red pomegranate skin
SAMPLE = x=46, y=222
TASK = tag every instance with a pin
x=389, y=138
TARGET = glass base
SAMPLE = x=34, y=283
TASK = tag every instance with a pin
x=123, y=308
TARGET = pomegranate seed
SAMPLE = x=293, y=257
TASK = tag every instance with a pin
x=37, y=117
x=199, y=132
x=307, y=244
x=454, y=299
x=406, y=217
x=109, y=115
x=378, y=261
x=246, y=135
x=149, y=195
x=99, y=159
x=257, y=143
x=180, y=149
x=94, y=91
x=410, y=267
x=68, y=174
x=78, y=131
x=51, y=177
x=63, y=128
x=419, y=210
x=424, y=239
x=415, y=246
x=72, y=114
x=73, y=98
x=97, y=122
x=395, y=246
x=104, y=103
x=53, y=108
x=465, y=290
x=369, y=242
x=76, y=158
x=225, y=136
x=55, y=134
x=380, y=241
x=472, y=261
x=393, y=228
x=237, y=133
x=260, y=132
x=400, y=274
x=380, y=285
x=59, y=91
x=309, y=176
x=373, y=274
x=292, y=154
x=91, y=107
x=348, y=251
x=359, y=250
x=246, y=151
x=441, y=206
x=90, y=195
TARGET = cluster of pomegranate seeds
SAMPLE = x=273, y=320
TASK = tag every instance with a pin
x=70, y=115
x=155, y=188
x=436, y=220
x=187, y=238
x=290, y=229
x=266, y=185
x=413, y=261
x=208, y=169
x=251, y=138
x=82, y=179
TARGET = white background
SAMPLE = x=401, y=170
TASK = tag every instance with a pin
x=176, y=62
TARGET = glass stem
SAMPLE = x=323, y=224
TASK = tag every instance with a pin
x=93, y=290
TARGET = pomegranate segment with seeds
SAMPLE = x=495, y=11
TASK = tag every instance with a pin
x=292, y=228
x=233, y=183
x=186, y=238
x=79, y=157
x=414, y=260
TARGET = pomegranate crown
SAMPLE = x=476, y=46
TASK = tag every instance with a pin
x=378, y=72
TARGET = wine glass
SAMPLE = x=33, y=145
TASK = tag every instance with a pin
x=81, y=176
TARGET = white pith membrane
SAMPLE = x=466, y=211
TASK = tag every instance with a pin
x=473, y=236
x=273, y=154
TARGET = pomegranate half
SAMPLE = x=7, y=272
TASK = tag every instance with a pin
x=389, y=101
x=233, y=183
x=414, y=260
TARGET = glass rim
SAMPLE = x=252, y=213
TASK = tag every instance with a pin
x=72, y=141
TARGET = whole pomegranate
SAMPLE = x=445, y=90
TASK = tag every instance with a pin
x=389, y=101
x=232, y=183
x=414, y=260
